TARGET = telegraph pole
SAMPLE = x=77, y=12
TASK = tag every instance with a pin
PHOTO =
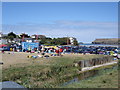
x=36, y=37
x=67, y=40
x=23, y=38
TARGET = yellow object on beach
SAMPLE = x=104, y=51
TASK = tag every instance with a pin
x=29, y=56
x=11, y=49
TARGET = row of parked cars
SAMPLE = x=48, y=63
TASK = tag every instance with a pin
x=75, y=49
x=91, y=49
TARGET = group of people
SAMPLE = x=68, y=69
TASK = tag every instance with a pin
x=79, y=49
x=59, y=50
x=53, y=51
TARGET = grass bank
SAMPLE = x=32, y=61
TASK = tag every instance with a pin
x=107, y=77
x=50, y=74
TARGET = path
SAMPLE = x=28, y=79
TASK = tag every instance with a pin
x=90, y=68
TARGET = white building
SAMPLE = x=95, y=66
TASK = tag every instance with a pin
x=71, y=40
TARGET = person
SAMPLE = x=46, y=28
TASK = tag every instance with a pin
x=64, y=51
x=57, y=51
x=42, y=49
x=29, y=49
x=13, y=50
x=49, y=51
x=3, y=51
x=111, y=53
x=60, y=51
x=35, y=49
x=84, y=52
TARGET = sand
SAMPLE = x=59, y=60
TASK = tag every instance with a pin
x=14, y=58
x=20, y=59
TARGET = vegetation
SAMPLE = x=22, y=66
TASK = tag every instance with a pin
x=57, y=41
x=51, y=74
x=10, y=36
x=38, y=76
x=106, y=78
x=24, y=35
x=43, y=40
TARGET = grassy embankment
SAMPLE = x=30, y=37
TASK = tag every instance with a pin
x=49, y=75
x=107, y=77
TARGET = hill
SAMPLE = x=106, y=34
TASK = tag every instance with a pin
x=112, y=41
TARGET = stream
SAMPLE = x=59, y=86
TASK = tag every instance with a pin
x=87, y=75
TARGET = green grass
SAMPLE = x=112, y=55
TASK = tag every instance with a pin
x=51, y=74
x=67, y=60
x=105, y=79
x=38, y=76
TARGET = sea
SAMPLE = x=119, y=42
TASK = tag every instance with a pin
x=97, y=45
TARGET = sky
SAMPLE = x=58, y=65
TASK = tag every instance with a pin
x=85, y=21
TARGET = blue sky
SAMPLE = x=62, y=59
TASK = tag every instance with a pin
x=84, y=20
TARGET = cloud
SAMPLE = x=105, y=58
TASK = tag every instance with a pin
x=82, y=30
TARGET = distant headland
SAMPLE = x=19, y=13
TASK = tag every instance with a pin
x=111, y=41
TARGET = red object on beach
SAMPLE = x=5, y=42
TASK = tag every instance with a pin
x=60, y=50
x=2, y=45
x=57, y=51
